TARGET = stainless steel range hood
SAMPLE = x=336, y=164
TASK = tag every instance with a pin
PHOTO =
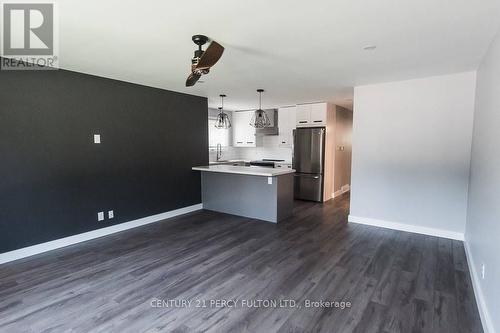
x=273, y=128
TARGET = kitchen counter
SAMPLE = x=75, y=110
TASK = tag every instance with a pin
x=244, y=170
x=250, y=191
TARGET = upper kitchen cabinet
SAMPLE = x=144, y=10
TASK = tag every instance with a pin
x=303, y=114
x=311, y=114
x=286, y=125
x=243, y=133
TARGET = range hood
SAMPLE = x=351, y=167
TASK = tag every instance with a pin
x=273, y=128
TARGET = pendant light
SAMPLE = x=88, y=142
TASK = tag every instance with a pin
x=222, y=121
x=260, y=118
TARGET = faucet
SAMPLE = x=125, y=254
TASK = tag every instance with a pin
x=219, y=151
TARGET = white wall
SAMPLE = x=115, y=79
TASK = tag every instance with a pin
x=483, y=220
x=411, y=154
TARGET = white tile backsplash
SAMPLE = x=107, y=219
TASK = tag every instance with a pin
x=262, y=152
x=228, y=153
x=231, y=153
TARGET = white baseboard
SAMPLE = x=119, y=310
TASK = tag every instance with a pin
x=62, y=242
x=407, y=227
x=343, y=189
x=478, y=292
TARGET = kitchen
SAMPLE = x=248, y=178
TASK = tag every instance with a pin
x=300, y=152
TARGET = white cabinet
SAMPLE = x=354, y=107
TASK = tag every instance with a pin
x=318, y=114
x=283, y=165
x=243, y=133
x=303, y=114
x=311, y=114
x=237, y=127
x=286, y=125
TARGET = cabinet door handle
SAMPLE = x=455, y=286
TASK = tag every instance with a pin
x=239, y=142
x=302, y=122
x=318, y=121
x=249, y=141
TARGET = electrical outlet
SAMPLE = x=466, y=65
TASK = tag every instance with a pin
x=270, y=180
x=111, y=214
x=97, y=138
x=100, y=216
x=483, y=271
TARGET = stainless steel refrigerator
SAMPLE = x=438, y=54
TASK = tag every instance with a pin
x=308, y=162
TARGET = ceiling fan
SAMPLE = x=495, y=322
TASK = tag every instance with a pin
x=203, y=60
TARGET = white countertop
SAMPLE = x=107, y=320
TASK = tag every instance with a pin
x=245, y=170
x=228, y=162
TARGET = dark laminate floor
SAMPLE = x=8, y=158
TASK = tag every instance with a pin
x=396, y=281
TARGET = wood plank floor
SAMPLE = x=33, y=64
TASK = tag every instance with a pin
x=395, y=281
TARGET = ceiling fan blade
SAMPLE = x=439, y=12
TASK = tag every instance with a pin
x=211, y=55
x=192, y=79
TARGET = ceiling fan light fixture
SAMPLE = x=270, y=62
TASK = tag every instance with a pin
x=222, y=121
x=260, y=118
x=203, y=60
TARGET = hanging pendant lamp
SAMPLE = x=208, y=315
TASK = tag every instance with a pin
x=260, y=118
x=222, y=121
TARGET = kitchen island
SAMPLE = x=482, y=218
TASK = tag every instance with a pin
x=255, y=192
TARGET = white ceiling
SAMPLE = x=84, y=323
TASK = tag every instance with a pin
x=298, y=51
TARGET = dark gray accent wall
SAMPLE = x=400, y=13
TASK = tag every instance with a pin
x=54, y=179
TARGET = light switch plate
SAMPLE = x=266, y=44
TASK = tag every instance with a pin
x=100, y=216
x=270, y=180
x=111, y=214
x=97, y=138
